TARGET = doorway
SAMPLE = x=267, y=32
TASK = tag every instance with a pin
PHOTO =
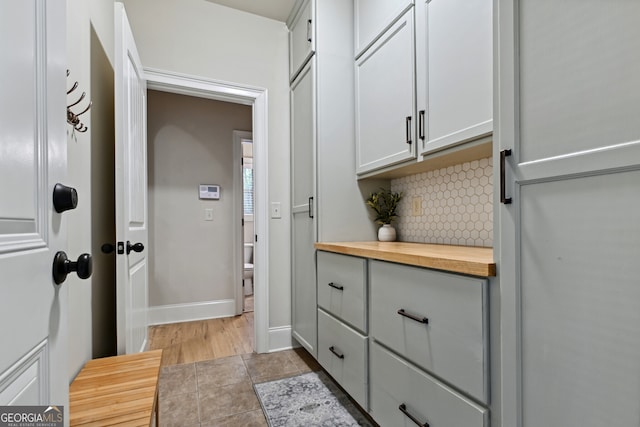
x=256, y=98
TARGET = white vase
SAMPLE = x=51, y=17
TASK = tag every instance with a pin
x=387, y=233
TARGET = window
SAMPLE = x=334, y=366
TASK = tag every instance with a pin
x=247, y=184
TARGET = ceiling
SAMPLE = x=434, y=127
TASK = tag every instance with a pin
x=274, y=9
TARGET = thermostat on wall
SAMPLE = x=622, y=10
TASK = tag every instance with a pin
x=209, y=191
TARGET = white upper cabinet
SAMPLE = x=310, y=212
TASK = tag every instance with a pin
x=454, y=57
x=301, y=38
x=385, y=99
x=373, y=17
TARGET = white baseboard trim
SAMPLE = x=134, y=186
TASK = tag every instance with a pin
x=280, y=338
x=175, y=313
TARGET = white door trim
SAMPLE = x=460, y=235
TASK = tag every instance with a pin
x=167, y=81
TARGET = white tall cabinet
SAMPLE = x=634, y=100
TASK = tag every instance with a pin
x=327, y=200
x=303, y=191
x=568, y=243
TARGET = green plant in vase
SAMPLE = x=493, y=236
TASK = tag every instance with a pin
x=385, y=203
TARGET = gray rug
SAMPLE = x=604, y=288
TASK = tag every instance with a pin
x=307, y=400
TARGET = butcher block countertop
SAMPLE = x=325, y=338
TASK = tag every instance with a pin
x=456, y=259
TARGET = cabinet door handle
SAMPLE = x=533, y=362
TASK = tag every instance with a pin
x=408, y=129
x=503, y=160
x=309, y=30
x=424, y=320
x=338, y=355
x=311, y=207
x=421, y=124
x=403, y=409
x=338, y=287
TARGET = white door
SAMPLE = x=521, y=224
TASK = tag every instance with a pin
x=33, y=309
x=131, y=190
x=569, y=103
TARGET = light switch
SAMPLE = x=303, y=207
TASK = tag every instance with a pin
x=276, y=210
x=208, y=214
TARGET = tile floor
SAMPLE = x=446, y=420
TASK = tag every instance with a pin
x=219, y=392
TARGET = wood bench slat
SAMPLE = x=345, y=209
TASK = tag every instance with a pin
x=119, y=390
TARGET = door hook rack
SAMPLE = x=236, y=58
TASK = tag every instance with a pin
x=72, y=118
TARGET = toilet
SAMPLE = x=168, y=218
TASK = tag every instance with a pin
x=247, y=276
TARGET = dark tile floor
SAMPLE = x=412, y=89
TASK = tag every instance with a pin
x=219, y=392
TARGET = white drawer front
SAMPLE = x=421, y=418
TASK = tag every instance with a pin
x=341, y=287
x=453, y=344
x=343, y=353
x=394, y=382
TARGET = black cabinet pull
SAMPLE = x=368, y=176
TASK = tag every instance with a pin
x=421, y=124
x=408, y=129
x=503, y=160
x=403, y=409
x=334, y=286
x=424, y=320
x=338, y=355
x=311, y=207
x=309, y=30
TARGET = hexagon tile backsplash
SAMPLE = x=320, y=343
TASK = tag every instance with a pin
x=456, y=208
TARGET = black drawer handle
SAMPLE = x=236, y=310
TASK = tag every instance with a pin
x=334, y=286
x=403, y=409
x=408, y=129
x=424, y=320
x=421, y=124
x=338, y=355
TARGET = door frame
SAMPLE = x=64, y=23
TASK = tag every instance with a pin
x=167, y=81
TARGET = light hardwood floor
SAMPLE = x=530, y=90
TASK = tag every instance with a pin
x=203, y=340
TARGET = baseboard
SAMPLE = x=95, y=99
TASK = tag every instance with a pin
x=280, y=338
x=175, y=313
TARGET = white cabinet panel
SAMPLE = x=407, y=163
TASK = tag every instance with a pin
x=303, y=135
x=385, y=99
x=451, y=339
x=578, y=89
x=303, y=293
x=301, y=38
x=342, y=284
x=373, y=17
x=454, y=54
x=395, y=382
x=580, y=299
x=343, y=353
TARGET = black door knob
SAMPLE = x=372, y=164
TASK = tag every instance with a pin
x=64, y=198
x=107, y=248
x=62, y=267
x=136, y=247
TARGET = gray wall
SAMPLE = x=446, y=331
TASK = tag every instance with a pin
x=190, y=143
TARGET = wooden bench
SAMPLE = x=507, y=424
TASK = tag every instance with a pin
x=119, y=390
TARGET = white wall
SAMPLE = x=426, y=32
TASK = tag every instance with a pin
x=200, y=38
x=190, y=142
x=82, y=16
